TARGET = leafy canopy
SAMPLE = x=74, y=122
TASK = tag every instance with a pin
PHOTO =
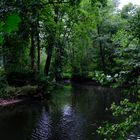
x=10, y=25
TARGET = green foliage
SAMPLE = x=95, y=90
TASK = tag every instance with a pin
x=100, y=77
x=67, y=75
x=127, y=114
x=27, y=90
x=43, y=80
x=9, y=25
x=126, y=74
x=135, y=25
x=46, y=84
x=127, y=11
x=1, y=39
x=7, y=91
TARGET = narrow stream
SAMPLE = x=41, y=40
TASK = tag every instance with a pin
x=74, y=113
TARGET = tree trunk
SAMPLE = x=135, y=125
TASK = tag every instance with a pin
x=49, y=55
x=101, y=51
x=51, y=43
x=32, y=50
x=58, y=61
x=38, y=47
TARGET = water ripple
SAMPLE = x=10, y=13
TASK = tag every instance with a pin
x=42, y=130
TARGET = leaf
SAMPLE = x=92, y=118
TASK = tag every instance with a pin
x=11, y=23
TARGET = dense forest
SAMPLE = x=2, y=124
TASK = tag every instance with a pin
x=45, y=42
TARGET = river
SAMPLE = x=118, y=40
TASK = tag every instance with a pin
x=74, y=113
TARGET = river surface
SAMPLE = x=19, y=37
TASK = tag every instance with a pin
x=74, y=113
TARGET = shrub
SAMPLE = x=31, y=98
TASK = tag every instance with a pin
x=100, y=77
x=127, y=114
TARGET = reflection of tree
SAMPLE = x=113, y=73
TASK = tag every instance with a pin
x=74, y=99
x=92, y=102
x=86, y=100
x=42, y=130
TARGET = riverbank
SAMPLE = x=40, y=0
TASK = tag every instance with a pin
x=33, y=92
x=20, y=94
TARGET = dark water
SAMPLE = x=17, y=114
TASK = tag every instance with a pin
x=74, y=113
x=135, y=135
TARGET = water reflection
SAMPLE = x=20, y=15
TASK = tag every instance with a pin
x=42, y=130
x=68, y=126
x=71, y=124
x=135, y=135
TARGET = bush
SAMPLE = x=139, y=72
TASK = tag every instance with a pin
x=67, y=75
x=127, y=114
x=100, y=77
x=7, y=92
x=21, y=78
x=45, y=83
